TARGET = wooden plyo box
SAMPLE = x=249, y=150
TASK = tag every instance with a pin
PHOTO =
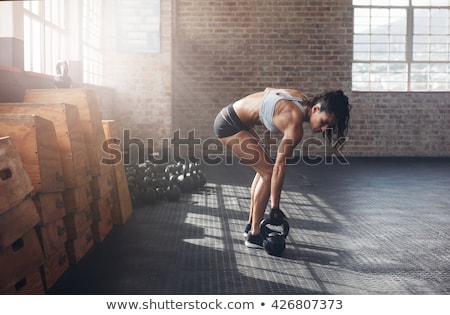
x=50, y=206
x=122, y=207
x=77, y=223
x=54, y=267
x=52, y=236
x=15, y=222
x=101, y=186
x=36, y=143
x=20, y=259
x=77, y=199
x=101, y=212
x=15, y=184
x=30, y=284
x=121, y=201
x=78, y=248
x=72, y=146
x=84, y=99
x=90, y=117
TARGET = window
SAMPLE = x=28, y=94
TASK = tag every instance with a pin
x=401, y=45
x=44, y=35
x=92, y=55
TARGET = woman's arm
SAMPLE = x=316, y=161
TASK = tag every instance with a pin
x=285, y=150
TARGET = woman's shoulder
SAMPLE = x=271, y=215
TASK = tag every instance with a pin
x=291, y=91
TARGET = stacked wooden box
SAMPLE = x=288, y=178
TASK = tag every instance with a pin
x=21, y=254
x=37, y=145
x=73, y=196
x=121, y=201
x=101, y=183
x=59, y=211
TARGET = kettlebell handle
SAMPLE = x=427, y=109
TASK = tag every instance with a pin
x=65, y=70
x=264, y=232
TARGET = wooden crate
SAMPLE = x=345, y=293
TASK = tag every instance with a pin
x=15, y=183
x=19, y=259
x=72, y=146
x=36, y=143
x=101, y=229
x=90, y=116
x=50, y=206
x=30, y=284
x=52, y=236
x=54, y=267
x=77, y=199
x=101, y=213
x=100, y=206
x=85, y=99
x=77, y=223
x=78, y=248
x=15, y=222
x=122, y=206
x=101, y=186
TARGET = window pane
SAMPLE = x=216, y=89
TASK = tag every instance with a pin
x=439, y=21
x=92, y=57
x=391, y=3
x=379, y=21
x=48, y=11
x=27, y=43
x=397, y=48
x=36, y=46
x=397, y=21
x=35, y=7
x=360, y=74
x=361, y=47
x=428, y=3
x=361, y=16
x=48, y=52
x=421, y=21
x=431, y=39
x=430, y=77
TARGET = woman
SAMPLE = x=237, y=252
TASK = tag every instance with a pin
x=280, y=111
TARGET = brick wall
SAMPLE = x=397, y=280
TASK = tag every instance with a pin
x=216, y=51
x=224, y=50
x=400, y=124
x=142, y=81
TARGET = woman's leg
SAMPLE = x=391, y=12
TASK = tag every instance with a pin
x=249, y=151
x=252, y=195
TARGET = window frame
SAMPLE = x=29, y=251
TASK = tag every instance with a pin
x=73, y=39
x=408, y=60
x=45, y=56
x=92, y=56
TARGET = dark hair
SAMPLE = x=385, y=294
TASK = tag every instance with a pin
x=335, y=103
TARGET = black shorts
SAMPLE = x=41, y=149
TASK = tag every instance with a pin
x=227, y=123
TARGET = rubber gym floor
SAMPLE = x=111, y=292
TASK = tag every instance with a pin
x=372, y=226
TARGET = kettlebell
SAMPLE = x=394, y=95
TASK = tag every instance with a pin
x=274, y=236
x=201, y=178
x=185, y=183
x=172, y=192
x=62, y=79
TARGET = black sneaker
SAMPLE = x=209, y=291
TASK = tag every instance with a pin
x=254, y=241
x=248, y=227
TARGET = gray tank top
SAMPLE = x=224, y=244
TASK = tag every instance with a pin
x=269, y=101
